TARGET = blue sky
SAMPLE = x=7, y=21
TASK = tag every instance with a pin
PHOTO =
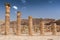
x=34, y=8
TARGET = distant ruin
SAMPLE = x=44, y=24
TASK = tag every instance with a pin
x=18, y=27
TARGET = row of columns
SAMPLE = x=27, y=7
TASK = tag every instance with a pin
x=30, y=23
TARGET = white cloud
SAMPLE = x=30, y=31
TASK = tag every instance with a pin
x=23, y=1
x=15, y=7
x=50, y=1
x=23, y=8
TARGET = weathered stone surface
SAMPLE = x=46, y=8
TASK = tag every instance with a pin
x=54, y=30
x=18, y=32
x=41, y=27
x=30, y=25
x=7, y=18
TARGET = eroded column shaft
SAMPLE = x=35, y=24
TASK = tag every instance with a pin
x=14, y=28
x=42, y=27
x=30, y=25
x=54, y=30
x=18, y=23
x=7, y=18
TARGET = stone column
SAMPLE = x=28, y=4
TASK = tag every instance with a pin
x=42, y=27
x=7, y=18
x=54, y=30
x=14, y=28
x=18, y=32
x=30, y=24
x=34, y=28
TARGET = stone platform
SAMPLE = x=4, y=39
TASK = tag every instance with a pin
x=14, y=37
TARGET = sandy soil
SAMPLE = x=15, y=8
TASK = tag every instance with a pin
x=27, y=37
x=13, y=37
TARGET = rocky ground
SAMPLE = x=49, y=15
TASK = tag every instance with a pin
x=27, y=37
x=14, y=37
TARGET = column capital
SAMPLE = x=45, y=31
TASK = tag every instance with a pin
x=7, y=4
x=18, y=13
x=29, y=16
